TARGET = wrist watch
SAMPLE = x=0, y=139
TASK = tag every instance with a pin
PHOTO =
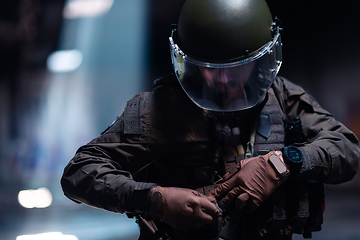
x=294, y=158
x=279, y=166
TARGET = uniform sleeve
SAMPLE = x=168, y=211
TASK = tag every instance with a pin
x=100, y=173
x=331, y=152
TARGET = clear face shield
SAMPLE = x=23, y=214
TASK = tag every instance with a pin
x=230, y=86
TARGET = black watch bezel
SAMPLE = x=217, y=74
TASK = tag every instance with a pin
x=293, y=157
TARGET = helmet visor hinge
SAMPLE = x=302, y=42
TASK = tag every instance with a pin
x=276, y=26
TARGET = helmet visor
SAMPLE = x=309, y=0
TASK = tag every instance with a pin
x=229, y=86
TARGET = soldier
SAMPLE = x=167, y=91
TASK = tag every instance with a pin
x=222, y=149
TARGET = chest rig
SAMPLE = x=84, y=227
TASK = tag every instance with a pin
x=296, y=206
x=250, y=134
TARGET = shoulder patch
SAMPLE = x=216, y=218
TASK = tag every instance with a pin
x=132, y=121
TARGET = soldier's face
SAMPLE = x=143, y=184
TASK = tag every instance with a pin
x=228, y=83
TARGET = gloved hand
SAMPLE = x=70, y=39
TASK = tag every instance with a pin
x=251, y=185
x=183, y=208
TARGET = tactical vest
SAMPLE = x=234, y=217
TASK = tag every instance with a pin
x=295, y=207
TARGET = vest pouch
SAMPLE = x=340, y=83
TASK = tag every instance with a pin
x=305, y=202
x=316, y=206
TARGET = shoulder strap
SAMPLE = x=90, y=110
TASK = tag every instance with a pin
x=270, y=133
x=135, y=111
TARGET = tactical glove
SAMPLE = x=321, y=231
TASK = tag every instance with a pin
x=253, y=183
x=183, y=208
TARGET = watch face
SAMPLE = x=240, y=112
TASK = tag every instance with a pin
x=294, y=154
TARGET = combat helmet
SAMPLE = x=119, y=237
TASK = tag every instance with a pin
x=226, y=54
